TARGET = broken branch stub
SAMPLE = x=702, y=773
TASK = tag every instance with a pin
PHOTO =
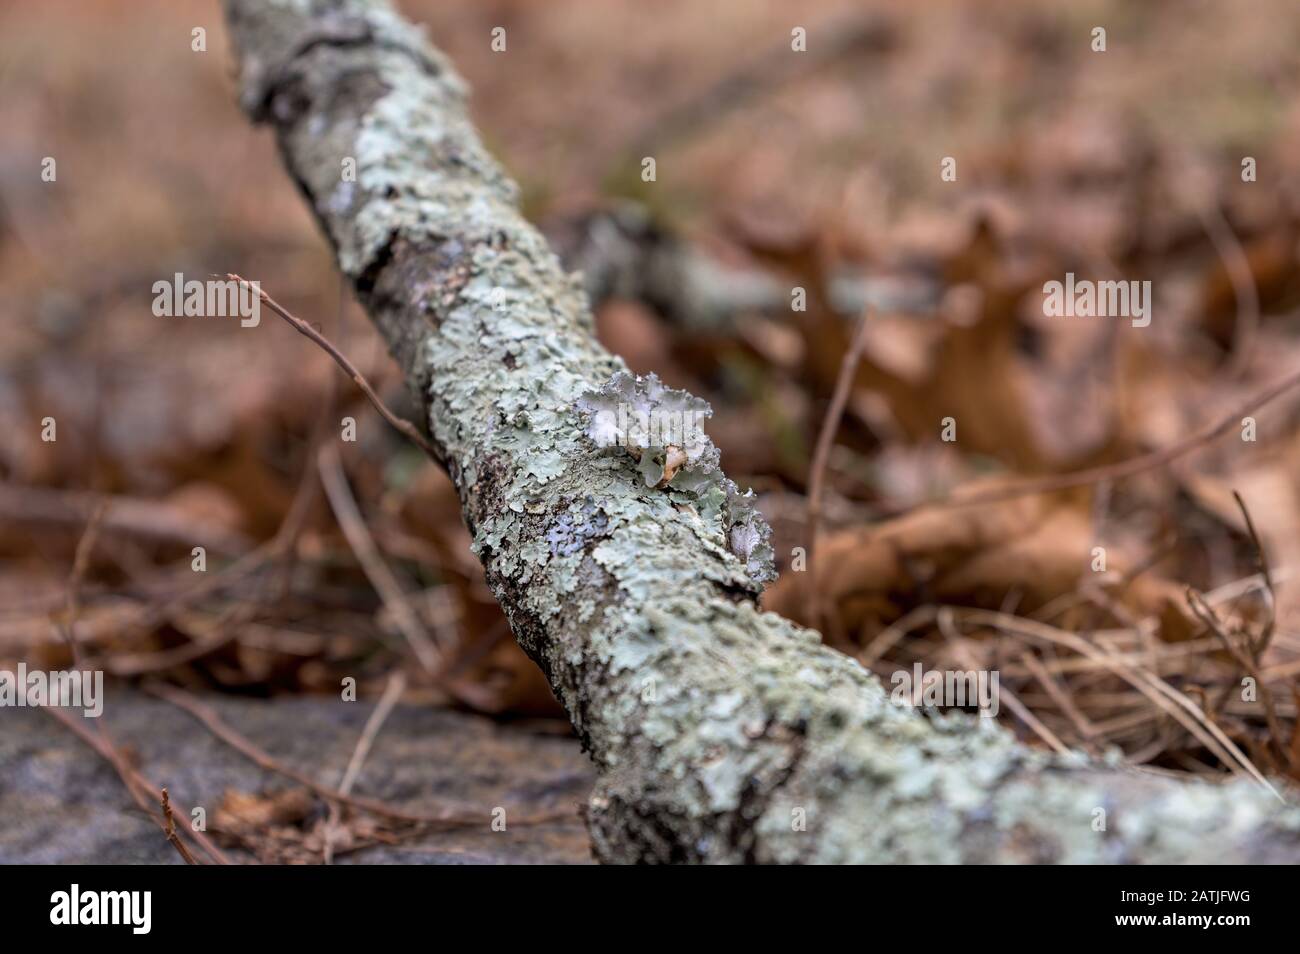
x=721, y=733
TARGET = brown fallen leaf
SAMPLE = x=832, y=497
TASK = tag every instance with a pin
x=247, y=810
x=1029, y=550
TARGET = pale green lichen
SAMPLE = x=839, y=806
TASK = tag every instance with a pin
x=512, y=362
x=661, y=429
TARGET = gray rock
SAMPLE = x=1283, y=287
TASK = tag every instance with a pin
x=61, y=803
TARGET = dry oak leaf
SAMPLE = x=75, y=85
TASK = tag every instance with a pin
x=1032, y=549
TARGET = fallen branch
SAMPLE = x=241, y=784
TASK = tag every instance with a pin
x=721, y=733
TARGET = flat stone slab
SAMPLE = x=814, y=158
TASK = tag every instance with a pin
x=61, y=803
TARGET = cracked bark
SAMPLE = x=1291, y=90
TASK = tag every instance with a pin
x=720, y=733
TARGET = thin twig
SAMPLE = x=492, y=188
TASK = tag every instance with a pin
x=100, y=739
x=885, y=640
x=1058, y=694
x=392, y=692
x=372, y=562
x=80, y=561
x=830, y=426
x=226, y=627
x=213, y=722
x=1177, y=705
x=1118, y=471
x=403, y=425
x=1259, y=644
x=137, y=785
x=136, y=518
x=1244, y=289
x=958, y=642
x=170, y=829
x=307, y=486
x=1249, y=667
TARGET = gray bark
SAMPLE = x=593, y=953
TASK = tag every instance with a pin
x=720, y=733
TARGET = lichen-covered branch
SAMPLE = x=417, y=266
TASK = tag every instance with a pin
x=630, y=574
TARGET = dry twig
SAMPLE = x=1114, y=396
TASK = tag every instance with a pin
x=392, y=692
x=303, y=328
x=170, y=829
x=137, y=785
x=208, y=716
x=826, y=437
x=1107, y=472
x=372, y=562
